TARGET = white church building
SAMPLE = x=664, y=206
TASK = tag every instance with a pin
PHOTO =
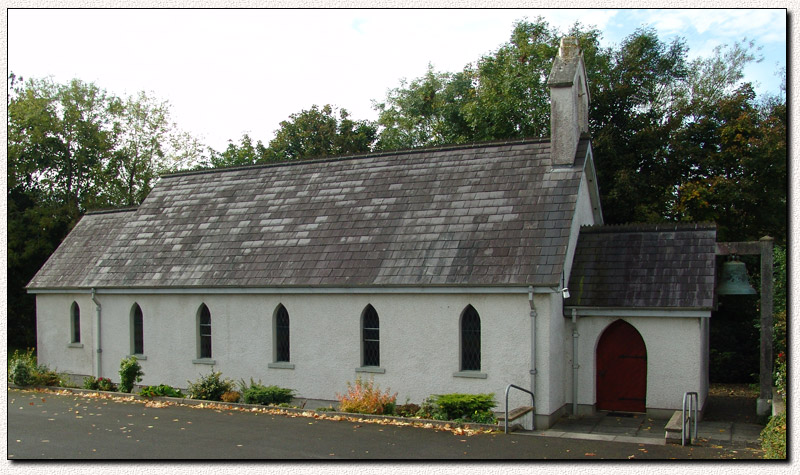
x=438, y=270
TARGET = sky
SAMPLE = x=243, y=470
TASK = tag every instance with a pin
x=229, y=72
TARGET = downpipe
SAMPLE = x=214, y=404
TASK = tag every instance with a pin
x=575, y=364
x=97, y=340
x=533, y=345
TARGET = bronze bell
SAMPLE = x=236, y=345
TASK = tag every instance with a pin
x=733, y=279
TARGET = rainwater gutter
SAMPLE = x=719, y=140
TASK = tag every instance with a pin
x=97, y=341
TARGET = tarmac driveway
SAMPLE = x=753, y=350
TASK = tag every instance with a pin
x=45, y=425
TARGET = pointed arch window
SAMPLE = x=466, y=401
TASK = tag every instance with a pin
x=75, y=323
x=282, y=335
x=204, y=332
x=470, y=340
x=137, y=330
x=370, y=338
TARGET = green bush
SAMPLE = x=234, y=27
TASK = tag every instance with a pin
x=461, y=407
x=130, y=372
x=257, y=393
x=23, y=371
x=99, y=384
x=210, y=387
x=160, y=390
x=407, y=410
x=773, y=438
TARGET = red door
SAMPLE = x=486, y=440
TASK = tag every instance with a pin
x=621, y=369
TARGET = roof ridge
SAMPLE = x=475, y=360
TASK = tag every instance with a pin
x=112, y=210
x=361, y=156
x=648, y=227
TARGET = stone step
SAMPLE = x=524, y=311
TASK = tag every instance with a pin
x=674, y=428
x=514, y=414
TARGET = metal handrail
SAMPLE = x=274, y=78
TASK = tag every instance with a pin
x=693, y=403
x=533, y=404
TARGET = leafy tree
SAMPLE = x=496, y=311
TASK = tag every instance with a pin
x=237, y=155
x=73, y=147
x=318, y=133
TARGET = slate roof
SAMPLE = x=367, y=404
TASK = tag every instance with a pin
x=489, y=214
x=645, y=266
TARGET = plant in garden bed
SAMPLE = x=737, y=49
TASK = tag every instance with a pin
x=773, y=438
x=364, y=397
x=459, y=407
x=257, y=393
x=24, y=371
x=160, y=390
x=99, y=384
x=210, y=387
x=230, y=396
x=130, y=372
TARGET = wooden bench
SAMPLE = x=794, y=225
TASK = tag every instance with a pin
x=513, y=415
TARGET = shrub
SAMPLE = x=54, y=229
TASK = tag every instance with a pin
x=130, y=372
x=230, y=396
x=364, y=397
x=99, y=384
x=257, y=393
x=407, y=410
x=210, y=387
x=160, y=390
x=773, y=438
x=23, y=371
x=461, y=407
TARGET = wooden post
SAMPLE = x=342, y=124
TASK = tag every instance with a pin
x=765, y=377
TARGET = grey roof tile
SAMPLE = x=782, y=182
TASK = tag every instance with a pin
x=479, y=215
x=665, y=265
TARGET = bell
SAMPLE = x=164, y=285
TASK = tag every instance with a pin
x=733, y=279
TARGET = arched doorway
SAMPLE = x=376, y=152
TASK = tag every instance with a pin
x=621, y=369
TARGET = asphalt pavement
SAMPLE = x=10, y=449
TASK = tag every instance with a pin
x=46, y=425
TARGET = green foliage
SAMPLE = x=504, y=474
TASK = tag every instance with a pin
x=457, y=406
x=160, y=390
x=407, y=410
x=99, y=384
x=24, y=371
x=364, y=397
x=21, y=373
x=73, y=147
x=773, y=438
x=317, y=133
x=257, y=393
x=210, y=387
x=130, y=372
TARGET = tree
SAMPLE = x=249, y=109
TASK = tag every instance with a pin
x=238, y=155
x=316, y=132
x=73, y=147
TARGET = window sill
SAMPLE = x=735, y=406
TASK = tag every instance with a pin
x=470, y=374
x=74, y=345
x=138, y=357
x=281, y=365
x=371, y=369
x=207, y=361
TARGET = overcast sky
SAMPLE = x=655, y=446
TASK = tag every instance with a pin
x=229, y=72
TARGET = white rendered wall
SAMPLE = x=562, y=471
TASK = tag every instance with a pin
x=53, y=333
x=583, y=216
x=677, y=358
x=419, y=341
